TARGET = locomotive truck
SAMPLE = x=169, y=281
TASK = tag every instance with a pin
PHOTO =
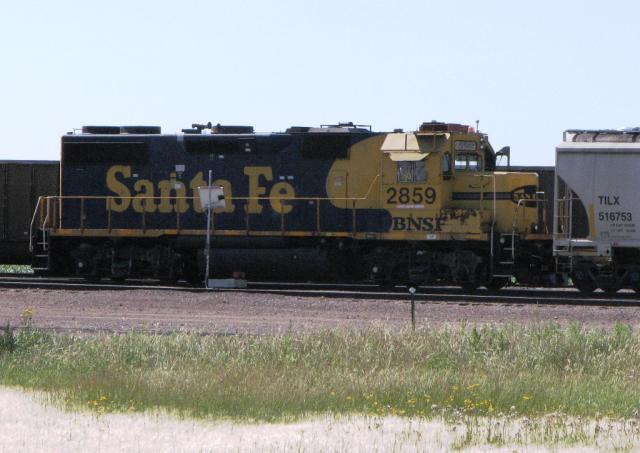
x=311, y=203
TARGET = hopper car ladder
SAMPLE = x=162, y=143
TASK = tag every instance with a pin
x=563, y=228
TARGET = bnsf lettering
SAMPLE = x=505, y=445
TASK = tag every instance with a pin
x=416, y=224
x=140, y=197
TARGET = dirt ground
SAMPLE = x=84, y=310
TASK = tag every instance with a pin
x=30, y=424
x=254, y=313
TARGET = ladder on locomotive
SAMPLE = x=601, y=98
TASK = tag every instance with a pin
x=506, y=258
x=41, y=256
x=508, y=242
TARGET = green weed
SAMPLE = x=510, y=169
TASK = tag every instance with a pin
x=15, y=269
x=7, y=339
x=450, y=372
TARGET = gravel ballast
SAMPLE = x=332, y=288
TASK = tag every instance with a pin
x=263, y=313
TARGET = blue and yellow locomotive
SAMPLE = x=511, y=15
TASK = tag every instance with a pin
x=326, y=203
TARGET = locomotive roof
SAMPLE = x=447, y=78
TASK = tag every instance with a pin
x=27, y=162
x=218, y=130
x=232, y=131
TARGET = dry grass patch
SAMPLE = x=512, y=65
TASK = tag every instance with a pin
x=445, y=372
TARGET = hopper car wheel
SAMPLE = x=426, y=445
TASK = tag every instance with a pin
x=497, y=283
x=610, y=289
x=584, y=285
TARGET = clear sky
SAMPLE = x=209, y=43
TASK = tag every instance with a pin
x=526, y=70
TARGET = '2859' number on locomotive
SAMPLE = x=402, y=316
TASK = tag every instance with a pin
x=404, y=195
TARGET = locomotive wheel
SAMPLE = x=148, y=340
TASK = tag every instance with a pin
x=387, y=285
x=93, y=278
x=469, y=285
x=497, y=283
x=399, y=276
x=194, y=279
x=190, y=272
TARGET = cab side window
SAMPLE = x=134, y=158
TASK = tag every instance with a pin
x=412, y=171
x=468, y=162
x=446, y=165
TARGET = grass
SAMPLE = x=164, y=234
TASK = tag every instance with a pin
x=523, y=371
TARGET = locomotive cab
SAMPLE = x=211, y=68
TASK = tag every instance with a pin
x=449, y=174
x=457, y=219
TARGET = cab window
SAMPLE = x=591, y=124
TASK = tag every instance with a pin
x=468, y=162
x=446, y=165
x=412, y=171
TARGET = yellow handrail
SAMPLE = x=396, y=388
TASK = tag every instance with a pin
x=56, y=200
x=137, y=197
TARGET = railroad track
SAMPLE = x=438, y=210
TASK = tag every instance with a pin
x=541, y=296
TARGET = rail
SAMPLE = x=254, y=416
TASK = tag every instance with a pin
x=48, y=212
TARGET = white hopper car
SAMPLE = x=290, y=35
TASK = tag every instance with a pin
x=599, y=171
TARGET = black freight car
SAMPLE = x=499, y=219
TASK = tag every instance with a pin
x=21, y=184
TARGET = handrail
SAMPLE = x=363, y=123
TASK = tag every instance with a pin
x=520, y=203
x=45, y=222
x=33, y=220
x=42, y=200
x=493, y=219
x=137, y=197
